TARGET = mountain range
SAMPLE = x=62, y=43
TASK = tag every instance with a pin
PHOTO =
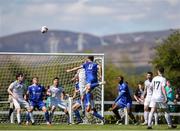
x=124, y=50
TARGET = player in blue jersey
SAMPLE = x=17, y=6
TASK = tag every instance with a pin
x=92, y=72
x=123, y=100
x=36, y=94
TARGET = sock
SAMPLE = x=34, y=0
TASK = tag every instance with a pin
x=46, y=115
x=156, y=118
x=115, y=111
x=27, y=116
x=96, y=114
x=68, y=118
x=18, y=118
x=132, y=117
x=150, y=119
x=31, y=117
x=168, y=118
x=146, y=114
x=10, y=112
x=12, y=117
x=93, y=85
x=77, y=114
x=51, y=116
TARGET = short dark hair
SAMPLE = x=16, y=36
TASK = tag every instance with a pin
x=149, y=72
x=122, y=78
x=140, y=82
x=161, y=69
x=91, y=58
x=18, y=75
x=56, y=78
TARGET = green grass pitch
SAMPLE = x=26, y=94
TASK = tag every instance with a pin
x=81, y=127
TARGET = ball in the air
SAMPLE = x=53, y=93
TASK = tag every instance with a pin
x=44, y=29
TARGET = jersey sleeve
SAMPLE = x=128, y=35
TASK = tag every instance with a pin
x=164, y=82
x=11, y=86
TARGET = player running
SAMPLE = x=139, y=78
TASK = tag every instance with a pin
x=36, y=94
x=17, y=90
x=123, y=101
x=159, y=98
x=147, y=98
x=57, y=95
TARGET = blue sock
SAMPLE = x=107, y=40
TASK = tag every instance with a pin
x=93, y=85
x=96, y=114
x=46, y=115
x=27, y=116
x=77, y=114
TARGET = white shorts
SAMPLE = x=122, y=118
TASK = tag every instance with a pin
x=82, y=88
x=59, y=104
x=147, y=101
x=159, y=105
x=20, y=103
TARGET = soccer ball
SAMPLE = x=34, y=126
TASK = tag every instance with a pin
x=44, y=29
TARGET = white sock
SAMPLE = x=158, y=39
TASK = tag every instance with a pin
x=18, y=118
x=146, y=114
x=156, y=118
x=12, y=117
x=168, y=118
x=31, y=117
x=150, y=119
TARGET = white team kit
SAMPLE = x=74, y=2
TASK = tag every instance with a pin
x=55, y=99
x=157, y=99
x=82, y=80
x=18, y=90
x=149, y=91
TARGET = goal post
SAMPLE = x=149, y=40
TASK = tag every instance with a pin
x=46, y=66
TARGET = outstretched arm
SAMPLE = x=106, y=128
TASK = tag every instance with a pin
x=74, y=69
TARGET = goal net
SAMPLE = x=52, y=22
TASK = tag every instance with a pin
x=46, y=66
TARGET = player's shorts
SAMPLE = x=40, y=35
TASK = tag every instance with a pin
x=147, y=101
x=123, y=104
x=39, y=104
x=89, y=103
x=82, y=88
x=20, y=103
x=59, y=104
x=159, y=105
x=78, y=101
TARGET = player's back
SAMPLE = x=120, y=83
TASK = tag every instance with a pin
x=91, y=70
x=82, y=76
x=149, y=88
x=36, y=92
x=158, y=83
x=18, y=89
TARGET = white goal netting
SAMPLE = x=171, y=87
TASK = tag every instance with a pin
x=45, y=66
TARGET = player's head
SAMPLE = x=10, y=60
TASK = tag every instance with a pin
x=160, y=70
x=90, y=58
x=56, y=81
x=140, y=84
x=149, y=75
x=120, y=78
x=35, y=80
x=168, y=83
x=20, y=76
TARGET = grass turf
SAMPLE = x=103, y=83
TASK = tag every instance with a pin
x=80, y=127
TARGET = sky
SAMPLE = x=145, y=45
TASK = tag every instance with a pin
x=97, y=17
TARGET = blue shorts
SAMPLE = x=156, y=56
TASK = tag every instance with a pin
x=124, y=104
x=39, y=104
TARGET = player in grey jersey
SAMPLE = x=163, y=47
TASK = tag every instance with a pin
x=17, y=90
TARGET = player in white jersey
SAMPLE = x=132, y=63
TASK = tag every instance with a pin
x=17, y=90
x=159, y=98
x=147, y=95
x=57, y=95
